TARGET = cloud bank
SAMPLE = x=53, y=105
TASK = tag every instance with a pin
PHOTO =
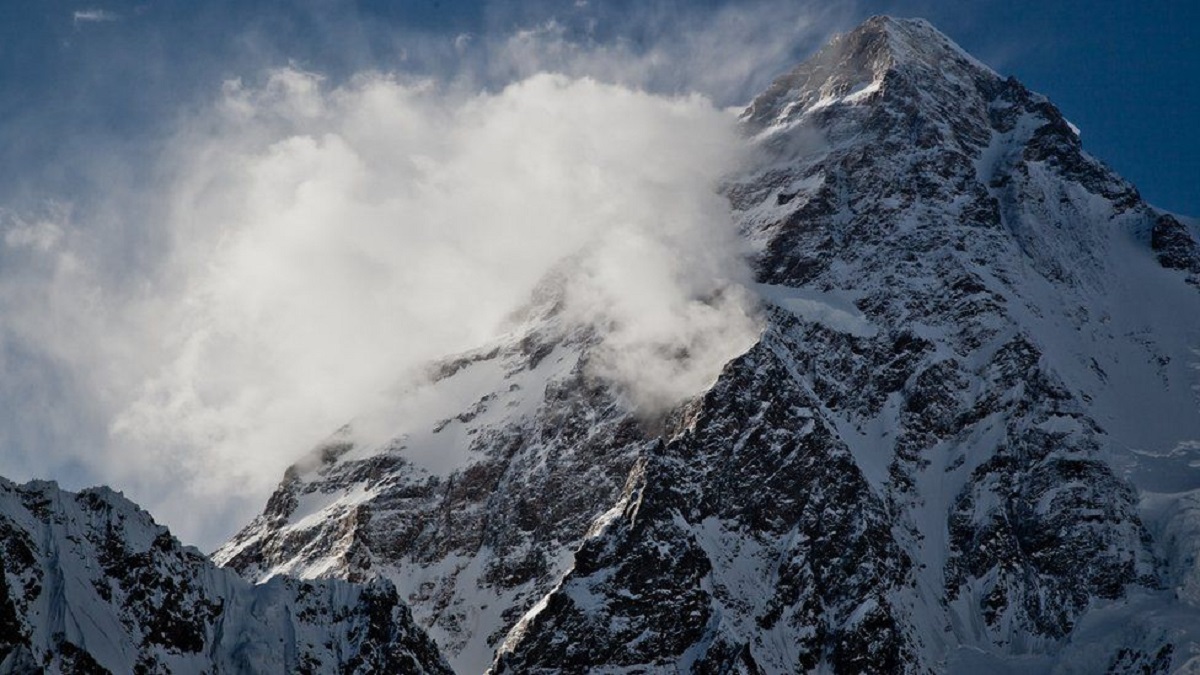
x=326, y=239
x=203, y=304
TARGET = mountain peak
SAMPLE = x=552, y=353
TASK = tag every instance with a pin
x=852, y=66
x=906, y=473
x=904, y=42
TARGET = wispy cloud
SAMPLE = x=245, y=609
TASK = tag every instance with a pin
x=728, y=52
x=93, y=15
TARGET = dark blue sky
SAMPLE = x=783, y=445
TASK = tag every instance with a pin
x=79, y=79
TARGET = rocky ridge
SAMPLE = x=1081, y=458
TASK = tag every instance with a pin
x=91, y=584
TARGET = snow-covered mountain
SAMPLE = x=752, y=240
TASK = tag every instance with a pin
x=92, y=585
x=968, y=439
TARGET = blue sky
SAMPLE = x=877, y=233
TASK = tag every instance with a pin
x=1128, y=74
x=163, y=331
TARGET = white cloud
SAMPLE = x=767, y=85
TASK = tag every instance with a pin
x=93, y=15
x=41, y=234
x=186, y=332
x=328, y=239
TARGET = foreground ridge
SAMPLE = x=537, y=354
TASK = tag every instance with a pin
x=92, y=585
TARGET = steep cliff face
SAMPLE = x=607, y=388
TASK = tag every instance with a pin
x=92, y=585
x=958, y=213
x=749, y=537
x=965, y=439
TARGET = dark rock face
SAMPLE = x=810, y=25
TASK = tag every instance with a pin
x=1134, y=661
x=1059, y=529
x=753, y=523
x=929, y=461
x=93, y=585
x=1176, y=247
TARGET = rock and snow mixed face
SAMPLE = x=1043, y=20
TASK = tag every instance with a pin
x=965, y=439
x=92, y=585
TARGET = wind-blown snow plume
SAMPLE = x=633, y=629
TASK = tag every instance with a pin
x=729, y=52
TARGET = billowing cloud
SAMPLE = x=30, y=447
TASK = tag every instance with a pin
x=195, y=317
x=326, y=240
